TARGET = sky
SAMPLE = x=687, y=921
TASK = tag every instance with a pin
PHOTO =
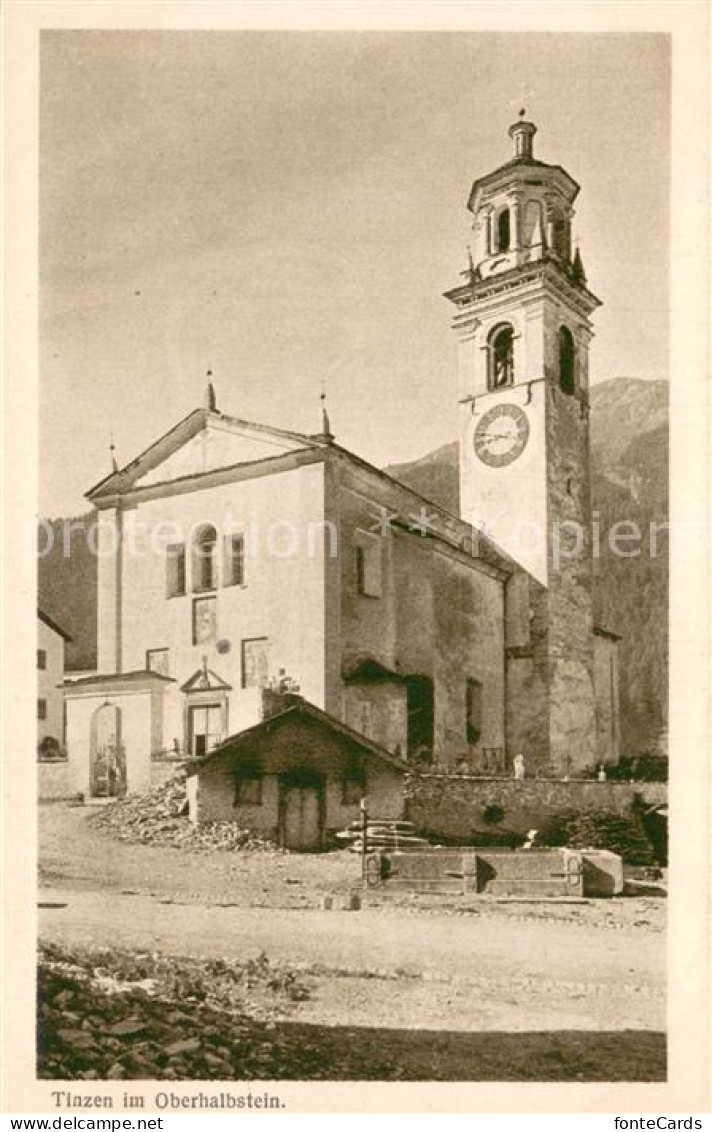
x=287, y=208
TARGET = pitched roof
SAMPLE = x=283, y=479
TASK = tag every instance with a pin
x=118, y=678
x=177, y=436
x=306, y=709
x=47, y=620
x=368, y=670
x=124, y=480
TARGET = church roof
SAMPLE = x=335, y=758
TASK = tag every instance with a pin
x=260, y=449
x=521, y=166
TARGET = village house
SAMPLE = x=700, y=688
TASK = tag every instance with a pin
x=297, y=778
x=236, y=555
x=51, y=639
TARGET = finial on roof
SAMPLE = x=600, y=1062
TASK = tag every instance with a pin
x=210, y=399
x=577, y=268
x=522, y=133
x=326, y=432
x=470, y=273
x=112, y=449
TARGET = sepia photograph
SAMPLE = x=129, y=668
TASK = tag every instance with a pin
x=352, y=557
x=352, y=553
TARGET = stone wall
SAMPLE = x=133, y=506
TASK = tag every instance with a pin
x=55, y=780
x=453, y=806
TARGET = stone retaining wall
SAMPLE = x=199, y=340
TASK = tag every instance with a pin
x=453, y=806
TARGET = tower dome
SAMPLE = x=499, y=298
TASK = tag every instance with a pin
x=522, y=210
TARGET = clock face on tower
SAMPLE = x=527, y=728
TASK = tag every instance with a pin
x=501, y=435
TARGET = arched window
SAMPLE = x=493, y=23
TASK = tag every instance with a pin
x=501, y=356
x=567, y=361
x=503, y=231
x=205, y=574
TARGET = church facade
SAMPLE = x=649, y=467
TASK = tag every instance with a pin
x=236, y=559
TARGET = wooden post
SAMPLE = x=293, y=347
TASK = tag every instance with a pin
x=364, y=837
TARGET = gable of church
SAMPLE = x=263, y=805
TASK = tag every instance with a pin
x=218, y=446
x=203, y=442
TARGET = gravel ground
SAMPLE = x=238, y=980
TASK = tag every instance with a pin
x=108, y=1015
x=75, y=853
x=425, y=988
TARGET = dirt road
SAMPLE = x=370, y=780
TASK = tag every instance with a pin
x=426, y=988
x=596, y=966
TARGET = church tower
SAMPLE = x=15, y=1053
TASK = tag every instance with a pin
x=522, y=316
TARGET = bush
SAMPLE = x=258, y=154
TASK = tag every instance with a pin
x=49, y=748
x=493, y=814
x=622, y=835
x=640, y=768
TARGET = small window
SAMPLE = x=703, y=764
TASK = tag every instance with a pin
x=501, y=356
x=41, y=709
x=567, y=361
x=42, y=659
x=368, y=569
x=353, y=787
x=234, y=573
x=175, y=570
x=204, y=620
x=248, y=791
x=205, y=572
x=157, y=661
x=255, y=662
x=473, y=711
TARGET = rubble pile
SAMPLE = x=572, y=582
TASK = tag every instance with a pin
x=160, y=817
x=107, y=1015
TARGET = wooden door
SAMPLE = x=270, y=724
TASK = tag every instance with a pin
x=301, y=818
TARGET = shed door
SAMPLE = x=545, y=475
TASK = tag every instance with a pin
x=301, y=824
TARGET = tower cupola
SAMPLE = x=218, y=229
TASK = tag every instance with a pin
x=522, y=133
x=522, y=210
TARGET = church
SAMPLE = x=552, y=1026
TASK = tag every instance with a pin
x=239, y=560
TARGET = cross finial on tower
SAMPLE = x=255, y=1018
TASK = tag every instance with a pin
x=522, y=132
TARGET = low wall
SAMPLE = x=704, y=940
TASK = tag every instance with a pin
x=55, y=780
x=453, y=806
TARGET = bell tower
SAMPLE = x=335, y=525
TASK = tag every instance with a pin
x=522, y=317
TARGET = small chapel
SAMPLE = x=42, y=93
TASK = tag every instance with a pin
x=242, y=563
